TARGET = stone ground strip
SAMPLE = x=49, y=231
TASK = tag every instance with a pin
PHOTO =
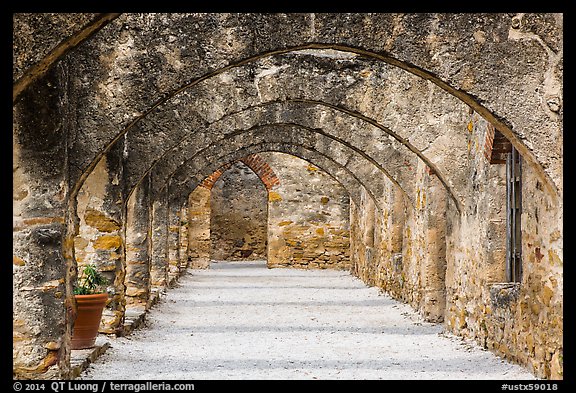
x=241, y=320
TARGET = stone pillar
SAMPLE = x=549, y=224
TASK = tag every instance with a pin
x=183, y=240
x=100, y=241
x=397, y=223
x=395, y=241
x=159, y=253
x=369, y=232
x=199, y=228
x=433, y=300
x=137, y=246
x=42, y=300
x=173, y=242
x=362, y=225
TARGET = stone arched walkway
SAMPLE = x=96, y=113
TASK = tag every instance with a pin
x=240, y=320
x=434, y=149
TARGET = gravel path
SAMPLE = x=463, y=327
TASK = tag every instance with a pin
x=240, y=320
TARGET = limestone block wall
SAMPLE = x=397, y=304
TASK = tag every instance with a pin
x=199, y=244
x=100, y=240
x=521, y=321
x=239, y=207
x=138, y=234
x=400, y=247
x=308, y=216
x=452, y=266
x=539, y=308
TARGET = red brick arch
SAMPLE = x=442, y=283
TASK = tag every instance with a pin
x=258, y=165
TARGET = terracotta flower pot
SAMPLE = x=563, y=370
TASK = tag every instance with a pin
x=87, y=322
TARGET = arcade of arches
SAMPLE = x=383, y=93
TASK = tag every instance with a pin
x=421, y=152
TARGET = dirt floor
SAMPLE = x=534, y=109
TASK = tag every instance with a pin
x=241, y=320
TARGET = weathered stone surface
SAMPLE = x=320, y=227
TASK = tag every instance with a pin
x=308, y=223
x=99, y=221
x=108, y=242
x=474, y=76
x=54, y=28
x=41, y=297
x=137, y=246
x=159, y=246
x=100, y=240
x=173, y=240
x=238, y=205
x=199, y=244
x=285, y=139
x=397, y=108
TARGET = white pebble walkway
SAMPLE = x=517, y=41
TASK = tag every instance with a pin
x=241, y=320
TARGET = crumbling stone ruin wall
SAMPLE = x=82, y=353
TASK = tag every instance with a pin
x=100, y=240
x=119, y=118
x=302, y=221
x=308, y=216
x=199, y=214
x=239, y=210
x=447, y=272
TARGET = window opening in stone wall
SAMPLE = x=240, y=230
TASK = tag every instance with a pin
x=513, y=216
x=499, y=150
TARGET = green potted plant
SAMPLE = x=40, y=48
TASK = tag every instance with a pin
x=91, y=297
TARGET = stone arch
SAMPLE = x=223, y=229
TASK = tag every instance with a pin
x=313, y=138
x=316, y=103
x=208, y=164
x=361, y=169
x=291, y=105
x=277, y=230
x=200, y=208
x=254, y=162
x=464, y=97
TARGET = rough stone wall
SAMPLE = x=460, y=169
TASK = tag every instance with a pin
x=239, y=209
x=308, y=216
x=538, y=328
x=452, y=266
x=43, y=305
x=522, y=321
x=138, y=234
x=100, y=240
x=401, y=248
x=199, y=244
